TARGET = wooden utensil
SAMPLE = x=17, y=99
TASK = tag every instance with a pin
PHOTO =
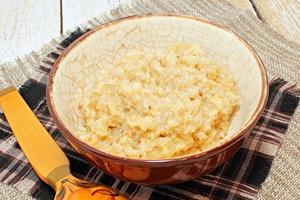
x=44, y=155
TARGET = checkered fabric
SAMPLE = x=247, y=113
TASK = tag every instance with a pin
x=238, y=178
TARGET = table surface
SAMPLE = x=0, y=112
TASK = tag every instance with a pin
x=28, y=24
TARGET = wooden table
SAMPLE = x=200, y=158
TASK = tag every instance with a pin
x=27, y=24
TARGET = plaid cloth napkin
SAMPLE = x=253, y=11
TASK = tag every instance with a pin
x=238, y=178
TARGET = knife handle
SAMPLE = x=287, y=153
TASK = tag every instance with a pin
x=45, y=156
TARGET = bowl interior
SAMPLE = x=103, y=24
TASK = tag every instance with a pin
x=79, y=66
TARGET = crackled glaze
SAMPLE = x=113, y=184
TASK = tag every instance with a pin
x=78, y=68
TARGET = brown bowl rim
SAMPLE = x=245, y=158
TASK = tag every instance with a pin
x=164, y=161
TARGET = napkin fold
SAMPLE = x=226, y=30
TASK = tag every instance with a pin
x=238, y=178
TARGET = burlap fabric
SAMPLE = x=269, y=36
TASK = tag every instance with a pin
x=281, y=57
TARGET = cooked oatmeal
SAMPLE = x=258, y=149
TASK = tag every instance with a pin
x=145, y=106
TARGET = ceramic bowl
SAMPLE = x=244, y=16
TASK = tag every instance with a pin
x=79, y=64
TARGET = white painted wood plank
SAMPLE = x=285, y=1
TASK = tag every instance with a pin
x=26, y=25
x=282, y=15
x=78, y=12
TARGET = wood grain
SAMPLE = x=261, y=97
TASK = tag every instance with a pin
x=26, y=25
x=44, y=154
x=78, y=12
x=282, y=15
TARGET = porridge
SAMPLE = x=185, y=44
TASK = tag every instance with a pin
x=150, y=107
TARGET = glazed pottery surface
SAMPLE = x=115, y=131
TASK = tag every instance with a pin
x=77, y=68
